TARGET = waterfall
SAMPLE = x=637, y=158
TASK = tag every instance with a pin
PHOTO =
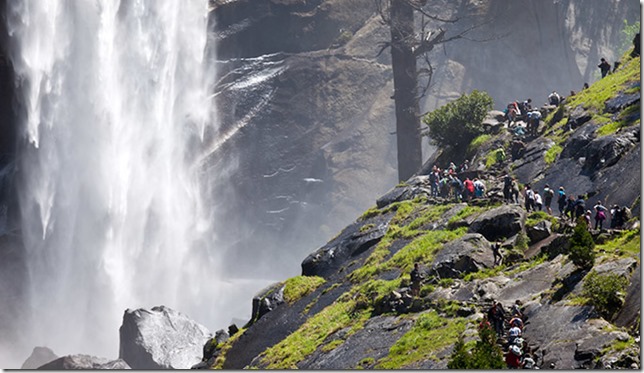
x=115, y=106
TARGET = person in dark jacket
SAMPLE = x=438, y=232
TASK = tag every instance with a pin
x=416, y=279
x=604, y=66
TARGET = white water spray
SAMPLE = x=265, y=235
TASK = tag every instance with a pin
x=116, y=95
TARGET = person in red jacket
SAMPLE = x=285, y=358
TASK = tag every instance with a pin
x=513, y=357
x=469, y=188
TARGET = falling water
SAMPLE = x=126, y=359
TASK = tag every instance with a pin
x=115, y=100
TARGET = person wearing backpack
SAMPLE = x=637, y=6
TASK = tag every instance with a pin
x=600, y=215
x=538, y=202
x=548, y=193
x=561, y=200
x=528, y=195
x=604, y=66
x=580, y=207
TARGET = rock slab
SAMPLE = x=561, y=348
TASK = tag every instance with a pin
x=161, y=338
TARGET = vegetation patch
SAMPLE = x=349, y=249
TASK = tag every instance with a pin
x=221, y=359
x=624, y=244
x=605, y=292
x=551, y=154
x=430, y=334
x=300, y=286
x=304, y=341
x=466, y=212
x=537, y=216
x=477, y=142
x=484, y=354
x=581, y=247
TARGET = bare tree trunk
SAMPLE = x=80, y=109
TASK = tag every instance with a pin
x=403, y=63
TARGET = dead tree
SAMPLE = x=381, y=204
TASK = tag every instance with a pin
x=407, y=46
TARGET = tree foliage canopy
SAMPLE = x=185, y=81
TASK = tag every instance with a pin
x=581, y=247
x=459, y=122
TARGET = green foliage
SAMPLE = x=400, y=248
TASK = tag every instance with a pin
x=459, y=122
x=605, y=292
x=623, y=244
x=486, y=354
x=429, y=335
x=581, y=247
x=477, y=142
x=522, y=241
x=626, y=36
x=552, y=154
x=225, y=347
x=299, y=286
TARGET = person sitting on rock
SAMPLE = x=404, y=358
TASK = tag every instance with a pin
x=417, y=278
x=528, y=362
x=517, y=150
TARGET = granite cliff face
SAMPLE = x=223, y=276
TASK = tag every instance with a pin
x=352, y=306
x=309, y=102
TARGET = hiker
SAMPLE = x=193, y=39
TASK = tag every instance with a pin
x=417, y=278
x=513, y=357
x=528, y=362
x=569, y=211
x=561, y=200
x=516, y=322
x=616, y=65
x=516, y=309
x=533, y=122
x=456, y=186
x=465, y=166
x=515, y=190
x=585, y=86
x=604, y=66
x=479, y=188
x=500, y=155
x=580, y=206
x=600, y=215
x=548, y=193
x=496, y=251
x=496, y=315
x=528, y=197
x=513, y=333
x=587, y=219
x=626, y=216
x=613, y=216
x=512, y=112
x=469, y=189
x=434, y=178
x=507, y=187
x=538, y=202
x=518, y=149
x=554, y=98
x=636, y=45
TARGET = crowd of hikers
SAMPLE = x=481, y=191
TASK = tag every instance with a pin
x=446, y=183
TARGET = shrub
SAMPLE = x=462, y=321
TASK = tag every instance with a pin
x=604, y=292
x=459, y=122
x=581, y=246
x=486, y=354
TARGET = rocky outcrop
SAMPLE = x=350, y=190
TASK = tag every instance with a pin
x=39, y=356
x=504, y=221
x=470, y=253
x=160, y=338
x=84, y=362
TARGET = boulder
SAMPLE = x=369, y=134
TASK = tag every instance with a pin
x=469, y=253
x=539, y=231
x=39, y=356
x=622, y=101
x=504, y=221
x=161, y=338
x=352, y=241
x=84, y=362
x=267, y=300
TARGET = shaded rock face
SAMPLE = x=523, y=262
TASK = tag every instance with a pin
x=372, y=341
x=504, y=221
x=354, y=240
x=470, y=253
x=160, y=338
x=39, y=356
x=305, y=98
x=84, y=362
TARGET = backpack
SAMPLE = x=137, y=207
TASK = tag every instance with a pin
x=562, y=198
x=549, y=193
x=529, y=194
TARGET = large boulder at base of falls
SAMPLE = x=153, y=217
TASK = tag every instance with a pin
x=470, y=253
x=161, y=338
x=504, y=221
x=84, y=362
x=39, y=357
